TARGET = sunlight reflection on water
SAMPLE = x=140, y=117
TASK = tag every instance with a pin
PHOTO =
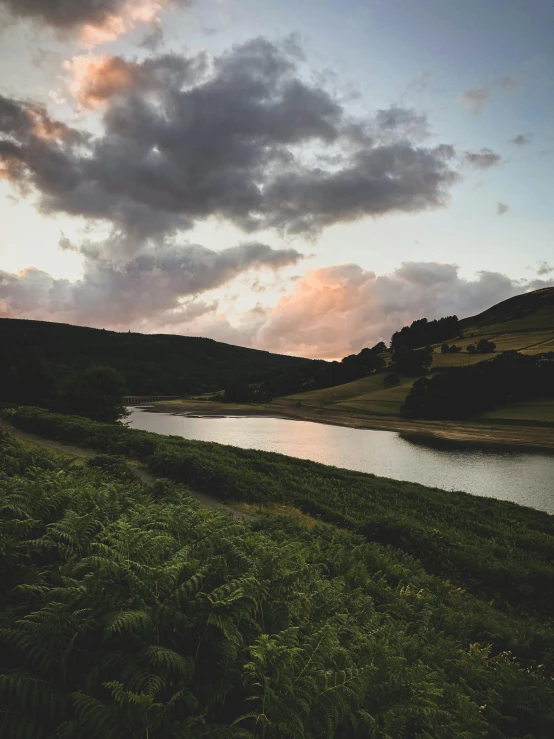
x=525, y=478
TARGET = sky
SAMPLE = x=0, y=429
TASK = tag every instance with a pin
x=303, y=177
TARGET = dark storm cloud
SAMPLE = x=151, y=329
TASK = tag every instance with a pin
x=386, y=179
x=244, y=141
x=483, y=159
x=66, y=14
x=149, y=286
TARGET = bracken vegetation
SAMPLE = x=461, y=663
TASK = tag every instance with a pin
x=128, y=611
x=497, y=548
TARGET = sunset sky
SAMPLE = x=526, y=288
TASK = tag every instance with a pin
x=300, y=176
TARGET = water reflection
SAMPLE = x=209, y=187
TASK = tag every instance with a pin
x=525, y=478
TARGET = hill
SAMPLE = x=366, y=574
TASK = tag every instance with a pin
x=524, y=323
x=151, y=364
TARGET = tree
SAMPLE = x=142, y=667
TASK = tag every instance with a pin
x=379, y=348
x=25, y=378
x=445, y=349
x=238, y=391
x=484, y=346
x=96, y=393
x=423, y=332
x=370, y=361
x=412, y=361
x=391, y=380
x=471, y=349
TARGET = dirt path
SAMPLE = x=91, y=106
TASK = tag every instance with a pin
x=148, y=479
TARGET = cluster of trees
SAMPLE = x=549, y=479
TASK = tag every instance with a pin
x=96, y=392
x=423, y=332
x=462, y=392
x=125, y=611
x=319, y=374
x=452, y=349
x=412, y=362
x=483, y=346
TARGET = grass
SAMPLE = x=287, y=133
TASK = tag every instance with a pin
x=463, y=359
x=541, y=411
x=367, y=395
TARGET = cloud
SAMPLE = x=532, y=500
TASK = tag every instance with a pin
x=545, y=268
x=338, y=310
x=521, y=140
x=475, y=98
x=95, y=21
x=330, y=312
x=483, y=159
x=502, y=208
x=151, y=287
x=244, y=139
x=508, y=82
x=96, y=80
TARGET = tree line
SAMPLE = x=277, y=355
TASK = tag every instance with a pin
x=95, y=392
x=313, y=376
x=463, y=392
x=424, y=333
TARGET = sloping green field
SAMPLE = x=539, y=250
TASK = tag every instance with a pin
x=524, y=323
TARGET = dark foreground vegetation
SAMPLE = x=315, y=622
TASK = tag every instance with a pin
x=499, y=549
x=128, y=612
x=463, y=392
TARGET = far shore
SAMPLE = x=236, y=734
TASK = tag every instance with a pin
x=502, y=435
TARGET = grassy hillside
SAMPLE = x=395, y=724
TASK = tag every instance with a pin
x=126, y=611
x=159, y=364
x=525, y=323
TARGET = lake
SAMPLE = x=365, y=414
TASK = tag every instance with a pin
x=522, y=477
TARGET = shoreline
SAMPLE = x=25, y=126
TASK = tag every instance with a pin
x=501, y=436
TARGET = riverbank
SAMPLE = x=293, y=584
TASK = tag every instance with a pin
x=500, y=434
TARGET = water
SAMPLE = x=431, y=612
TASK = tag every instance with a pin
x=526, y=478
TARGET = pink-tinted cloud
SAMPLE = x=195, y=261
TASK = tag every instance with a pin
x=96, y=79
x=338, y=310
x=330, y=312
x=114, y=25
x=94, y=22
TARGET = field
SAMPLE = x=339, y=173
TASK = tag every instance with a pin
x=532, y=333
x=355, y=607
x=541, y=411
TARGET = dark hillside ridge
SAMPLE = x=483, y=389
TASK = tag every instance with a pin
x=165, y=364
x=516, y=308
